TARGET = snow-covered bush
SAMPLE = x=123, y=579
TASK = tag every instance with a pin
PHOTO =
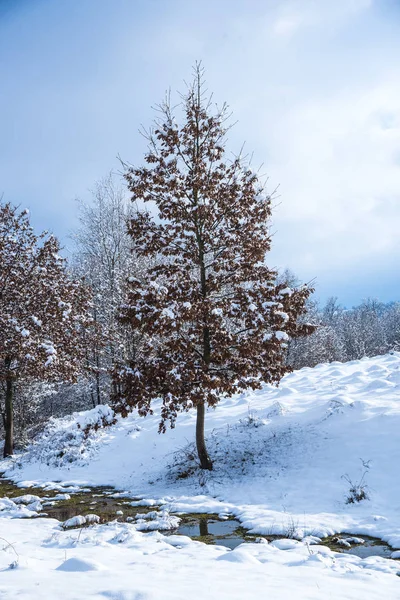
x=72, y=439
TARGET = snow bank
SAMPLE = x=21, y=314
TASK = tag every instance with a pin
x=115, y=561
x=23, y=507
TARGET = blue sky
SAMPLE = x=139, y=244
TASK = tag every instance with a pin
x=314, y=85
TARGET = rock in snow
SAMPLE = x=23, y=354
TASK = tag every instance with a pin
x=77, y=521
x=78, y=564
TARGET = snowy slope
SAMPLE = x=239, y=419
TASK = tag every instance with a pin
x=303, y=437
x=283, y=461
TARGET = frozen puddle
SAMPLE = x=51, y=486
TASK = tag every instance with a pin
x=63, y=503
x=230, y=533
x=211, y=530
x=362, y=546
x=103, y=504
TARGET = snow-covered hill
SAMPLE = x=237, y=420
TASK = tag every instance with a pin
x=285, y=460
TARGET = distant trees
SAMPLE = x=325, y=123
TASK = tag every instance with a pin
x=210, y=316
x=44, y=314
x=368, y=329
x=104, y=256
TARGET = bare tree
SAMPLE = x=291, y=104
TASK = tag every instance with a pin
x=344, y=334
x=104, y=256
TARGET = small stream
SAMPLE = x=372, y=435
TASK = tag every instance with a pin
x=109, y=505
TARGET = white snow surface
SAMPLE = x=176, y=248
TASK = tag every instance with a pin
x=283, y=461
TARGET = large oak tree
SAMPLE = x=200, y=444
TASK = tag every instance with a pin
x=211, y=317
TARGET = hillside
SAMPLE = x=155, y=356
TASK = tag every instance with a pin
x=285, y=462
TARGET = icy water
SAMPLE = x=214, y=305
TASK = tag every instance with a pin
x=110, y=505
x=371, y=546
x=208, y=529
x=96, y=500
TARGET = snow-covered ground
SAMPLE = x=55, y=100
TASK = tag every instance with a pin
x=285, y=460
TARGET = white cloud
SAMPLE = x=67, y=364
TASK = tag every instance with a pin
x=314, y=85
x=292, y=15
x=286, y=26
x=340, y=176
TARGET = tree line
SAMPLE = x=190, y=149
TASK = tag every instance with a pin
x=344, y=334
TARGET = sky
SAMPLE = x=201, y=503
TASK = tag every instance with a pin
x=314, y=86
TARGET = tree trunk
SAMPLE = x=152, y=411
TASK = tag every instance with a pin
x=98, y=394
x=9, y=420
x=205, y=460
x=203, y=526
x=92, y=397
